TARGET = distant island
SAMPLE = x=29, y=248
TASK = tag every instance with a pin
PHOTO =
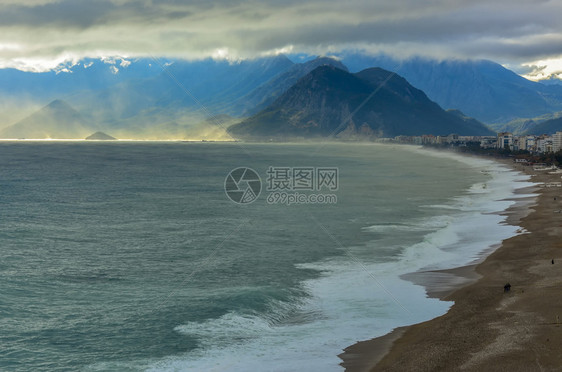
x=100, y=136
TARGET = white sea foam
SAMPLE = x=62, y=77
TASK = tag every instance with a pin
x=353, y=304
x=352, y=301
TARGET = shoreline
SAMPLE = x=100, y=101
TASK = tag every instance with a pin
x=431, y=345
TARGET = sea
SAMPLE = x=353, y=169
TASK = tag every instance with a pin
x=223, y=256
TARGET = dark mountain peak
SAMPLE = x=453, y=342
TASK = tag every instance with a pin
x=378, y=77
x=324, y=61
x=374, y=73
x=328, y=69
x=332, y=78
x=392, y=82
x=321, y=88
x=330, y=101
x=266, y=94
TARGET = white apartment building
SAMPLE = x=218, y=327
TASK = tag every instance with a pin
x=505, y=139
x=530, y=143
x=557, y=141
x=544, y=144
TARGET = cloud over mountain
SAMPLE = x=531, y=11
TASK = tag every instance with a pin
x=46, y=32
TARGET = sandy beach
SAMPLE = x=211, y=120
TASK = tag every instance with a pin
x=488, y=329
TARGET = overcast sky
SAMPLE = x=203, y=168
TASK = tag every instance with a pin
x=39, y=34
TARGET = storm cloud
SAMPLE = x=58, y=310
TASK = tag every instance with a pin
x=39, y=34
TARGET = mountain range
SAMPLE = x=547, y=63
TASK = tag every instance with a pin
x=524, y=125
x=154, y=99
x=481, y=89
x=87, y=75
x=331, y=102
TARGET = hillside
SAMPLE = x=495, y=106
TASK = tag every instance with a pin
x=56, y=120
x=372, y=103
x=267, y=93
x=548, y=127
x=481, y=89
x=185, y=89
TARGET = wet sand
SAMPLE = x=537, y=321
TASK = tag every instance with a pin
x=487, y=329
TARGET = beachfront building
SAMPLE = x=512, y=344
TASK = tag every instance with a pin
x=544, y=143
x=557, y=141
x=489, y=142
x=518, y=143
x=417, y=140
x=466, y=139
x=530, y=143
x=429, y=139
x=452, y=138
x=505, y=140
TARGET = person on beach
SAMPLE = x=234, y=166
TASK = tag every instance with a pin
x=507, y=287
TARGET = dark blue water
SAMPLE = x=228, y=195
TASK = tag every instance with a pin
x=128, y=256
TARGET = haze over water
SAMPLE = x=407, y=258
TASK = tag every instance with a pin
x=128, y=256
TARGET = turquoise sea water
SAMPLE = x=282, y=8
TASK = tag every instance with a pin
x=130, y=256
